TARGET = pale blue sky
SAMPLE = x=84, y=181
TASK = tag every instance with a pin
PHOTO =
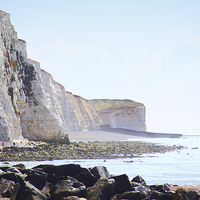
x=148, y=51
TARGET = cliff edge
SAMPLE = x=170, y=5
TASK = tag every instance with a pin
x=117, y=113
x=32, y=104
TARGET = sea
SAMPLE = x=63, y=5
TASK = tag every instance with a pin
x=180, y=167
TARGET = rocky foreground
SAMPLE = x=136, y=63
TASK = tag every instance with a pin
x=73, y=182
x=82, y=150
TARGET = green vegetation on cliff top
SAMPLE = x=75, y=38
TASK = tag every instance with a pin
x=109, y=105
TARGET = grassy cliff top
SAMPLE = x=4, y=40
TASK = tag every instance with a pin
x=109, y=105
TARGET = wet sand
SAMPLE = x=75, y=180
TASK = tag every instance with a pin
x=85, y=136
x=115, y=134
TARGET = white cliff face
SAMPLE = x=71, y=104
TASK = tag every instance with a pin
x=54, y=111
x=10, y=84
x=125, y=114
x=86, y=114
x=32, y=104
x=128, y=118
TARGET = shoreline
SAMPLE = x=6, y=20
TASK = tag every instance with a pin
x=43, y=151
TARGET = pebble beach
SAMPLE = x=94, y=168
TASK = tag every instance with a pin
x=83, y=150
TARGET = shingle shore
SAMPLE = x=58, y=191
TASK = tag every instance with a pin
x=83, y=150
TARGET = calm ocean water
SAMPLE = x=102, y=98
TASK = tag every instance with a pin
x=178, y=167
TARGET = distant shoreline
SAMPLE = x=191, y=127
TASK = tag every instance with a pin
x=144, y=133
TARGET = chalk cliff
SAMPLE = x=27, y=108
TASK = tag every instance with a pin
x=117, y=113
x=32, y=104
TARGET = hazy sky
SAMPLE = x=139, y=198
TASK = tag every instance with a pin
x=147, y=51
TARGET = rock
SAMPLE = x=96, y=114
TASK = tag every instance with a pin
x=186, y=193
x=33, y=197
x=15, y=191
x=6, y=187
x=27, y=189
x=67, y=188
x=33, y=105
x=122, y=184
x=41, y=167
x=100, y=172
x=86, y=177
x=128, y=195
x=102, y=189
x=160, y=195
x=19, y=166
x=53, y=179
x=189, y=191
x=38, y=179
x=67, y=170
x=16, y=177
x=139, y=179
x=13, y=169
x=73, y=198
x=81, y=174
x=161, y=188
x=181, y=194
x=167, y=186
x=1, y=172
x=143, y=189
x=41, y=183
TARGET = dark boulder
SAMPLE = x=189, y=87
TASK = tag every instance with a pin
x=76, y=171
x=38, y=179
x=160, y=196
x=19, y=166
x=1, y=172
x=26, y=171
x=181, y=194
x=27, y=189
x=67, y=170
x=16, y=177
x=86, y=177
x=102, y=189
x=161, y=188
x=53, y=179
x=135, y=195
x=13, y=170
x=41, y=167
x=33, y=197
x=6, y=187
x=190, y=192
x=122, y=184
x=100, y=172
x=4, y=168
x=143, y=189
x=67, y=188
x=73, y=198
x=139, y=179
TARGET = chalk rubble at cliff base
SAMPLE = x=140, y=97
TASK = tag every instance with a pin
x=73, y=182
x=83, y=150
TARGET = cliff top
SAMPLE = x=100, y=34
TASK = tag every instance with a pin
x=3, y=12
x=109, y=105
